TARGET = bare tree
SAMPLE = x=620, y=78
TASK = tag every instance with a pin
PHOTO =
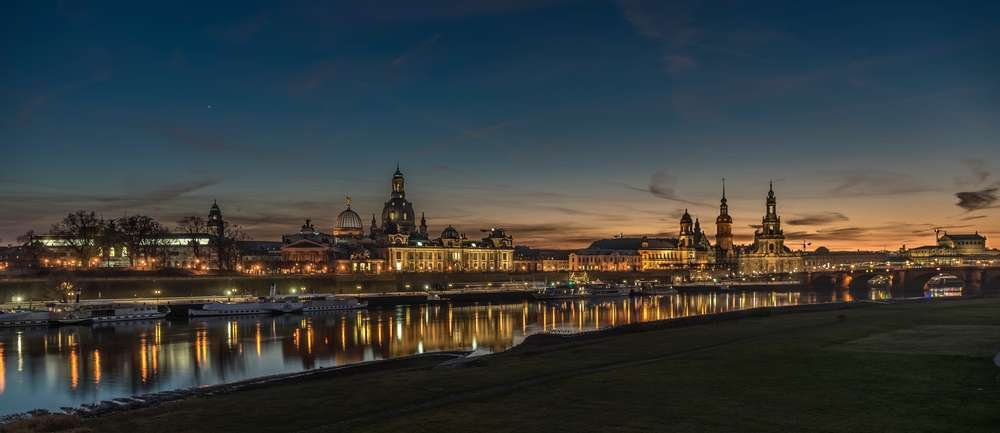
x=193, y=226
x=80, y=231
x=141, y=234
x=30, y=250
x=229, y=246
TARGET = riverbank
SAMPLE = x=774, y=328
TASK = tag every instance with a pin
x=906, y=367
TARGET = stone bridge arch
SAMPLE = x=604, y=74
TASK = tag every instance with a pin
x=919, y=279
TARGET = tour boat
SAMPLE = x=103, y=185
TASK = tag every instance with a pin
x=104, y=313
x=659, y=290
x=598, y=289
x=557, y=292
x=230, y=309
x=944, y=285
x=331, y=303
x=24, y=318
x=264, y=306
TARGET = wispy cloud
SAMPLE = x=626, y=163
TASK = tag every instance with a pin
x=816, y=219
x=866, y=182
x=663, y=185
x=312, y=78
x=420, y=49
x=977, y=200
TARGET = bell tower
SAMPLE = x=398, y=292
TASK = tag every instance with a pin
x=724, y=227
x=686, y=237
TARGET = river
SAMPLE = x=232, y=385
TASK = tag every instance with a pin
x=71, y=365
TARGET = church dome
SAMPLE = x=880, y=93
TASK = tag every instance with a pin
x=349, y=219
x=348, y=222
x=449, y=233
x=686, y=218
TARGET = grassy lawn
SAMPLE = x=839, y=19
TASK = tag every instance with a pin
x=906, y=368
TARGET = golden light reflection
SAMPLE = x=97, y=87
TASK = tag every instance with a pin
x=3, y=369
x=97, y=367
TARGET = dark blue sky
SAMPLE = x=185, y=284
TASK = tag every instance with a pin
x=562, y=120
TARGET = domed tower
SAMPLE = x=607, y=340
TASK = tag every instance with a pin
x=398, y=210
x=348, y=223
x=215, y=222
x=450, y=237
x=686, y=237
x=724, y=227
x=423, y=224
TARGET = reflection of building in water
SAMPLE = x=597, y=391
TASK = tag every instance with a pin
x=135, y=358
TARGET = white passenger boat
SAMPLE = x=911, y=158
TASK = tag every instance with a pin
x=558, y=292
x=18, y=318
x=331, y=303
x=231, y=309
x=263, y=306
x=104, y=313
x=601, y=290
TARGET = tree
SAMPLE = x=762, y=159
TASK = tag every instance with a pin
x=80, y=231
x=30, y=250
x=142, y=235
x=193, y=226
x=229, y=246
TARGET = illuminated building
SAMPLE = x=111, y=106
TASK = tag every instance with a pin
x=953, y=248
x=725, y=253
x=768, y=253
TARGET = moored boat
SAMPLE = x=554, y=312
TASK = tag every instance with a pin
x=598, y=289
x=558, y=292
x=19, y=318
x=331, y=303
x=104, y=313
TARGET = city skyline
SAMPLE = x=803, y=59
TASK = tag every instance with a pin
x=629, y=112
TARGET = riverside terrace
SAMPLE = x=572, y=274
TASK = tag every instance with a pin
x=910, y=367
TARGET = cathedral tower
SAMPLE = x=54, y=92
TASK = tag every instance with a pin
x=770, y=239
x=724, y=227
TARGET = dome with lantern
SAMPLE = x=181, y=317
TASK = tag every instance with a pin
x=348, y=223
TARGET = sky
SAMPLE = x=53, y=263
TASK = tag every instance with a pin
x=563, y=121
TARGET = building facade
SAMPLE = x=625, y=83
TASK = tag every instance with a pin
x=954, y=249
x=768, y=253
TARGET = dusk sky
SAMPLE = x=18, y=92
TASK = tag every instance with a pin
x=562, y=121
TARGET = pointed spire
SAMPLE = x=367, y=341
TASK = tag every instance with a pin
x=723, y=189
x=397, y=173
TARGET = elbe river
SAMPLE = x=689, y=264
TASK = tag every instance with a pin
x=71, y=365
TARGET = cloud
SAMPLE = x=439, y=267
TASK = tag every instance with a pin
x=313, y=78
x=678, y=63
x=979, y=173
x=196, y=139
x=817, y=219
x=662, y=185
x=976, y=200
x=866, y=182
x=421, y=48
x=669, y=22
x=242, y=31
x=973, y=217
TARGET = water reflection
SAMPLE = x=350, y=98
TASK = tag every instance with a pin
x=68, y=366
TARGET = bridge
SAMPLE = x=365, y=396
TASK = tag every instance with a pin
x=977, y=278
